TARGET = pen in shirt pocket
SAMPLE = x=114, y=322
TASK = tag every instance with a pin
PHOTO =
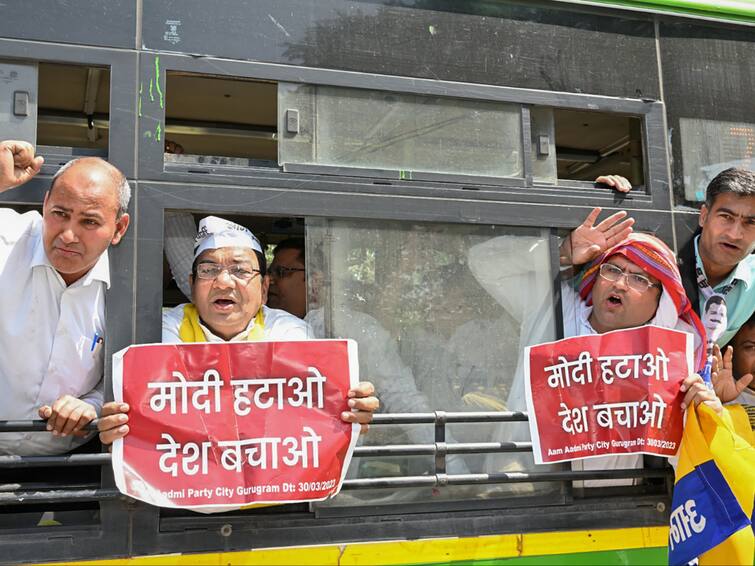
x=97, y=341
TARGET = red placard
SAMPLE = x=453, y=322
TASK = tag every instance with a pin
x=612, y=393
x=215, y=427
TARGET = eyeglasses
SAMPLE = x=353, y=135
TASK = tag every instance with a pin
x=213, y=271
x=638, y=282
x=282, y=272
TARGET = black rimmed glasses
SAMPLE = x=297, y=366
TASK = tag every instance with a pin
x=213, y=271
x=282, y=272
x=613, y=273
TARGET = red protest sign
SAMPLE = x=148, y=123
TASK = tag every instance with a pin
x=612, y=393
x=215, y=427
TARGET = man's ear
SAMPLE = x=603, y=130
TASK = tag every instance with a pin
x=121, y=225
x=265, y=286
x=703, y=215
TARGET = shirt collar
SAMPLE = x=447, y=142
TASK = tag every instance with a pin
x=100, y=271
x=743, y=270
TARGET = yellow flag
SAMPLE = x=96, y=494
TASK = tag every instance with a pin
x=711, y=514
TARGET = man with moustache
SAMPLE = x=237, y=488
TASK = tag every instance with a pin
x=229, y=282
x=54, y=273
x=626, y=280
x=719, y=261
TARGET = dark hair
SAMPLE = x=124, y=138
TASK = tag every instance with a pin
x=292, y=244
x=713, y=300
x=741, y=182
x=260, y=259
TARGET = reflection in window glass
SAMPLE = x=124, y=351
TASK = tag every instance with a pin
x=441, y=314
x=709, y=147
x=399, y=132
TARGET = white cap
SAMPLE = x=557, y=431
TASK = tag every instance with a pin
x=217, y=233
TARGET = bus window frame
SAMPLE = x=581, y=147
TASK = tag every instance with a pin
x=653, y=195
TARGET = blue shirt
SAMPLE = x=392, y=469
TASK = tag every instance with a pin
x=740, y=301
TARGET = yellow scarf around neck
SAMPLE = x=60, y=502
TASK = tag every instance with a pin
x=191, y=331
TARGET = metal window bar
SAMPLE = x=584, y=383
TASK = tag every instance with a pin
x=439, y=449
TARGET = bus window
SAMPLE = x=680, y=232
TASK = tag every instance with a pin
x=440, y=319
x=404, y=134
x=74, y=112
x=587, y=144
x=220, y=121
x=710, y=146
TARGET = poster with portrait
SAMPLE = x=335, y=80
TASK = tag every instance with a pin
x=612, y=393
x=215, y=427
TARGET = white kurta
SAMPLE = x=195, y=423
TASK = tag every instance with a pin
x=49, y=334
x=279, y=325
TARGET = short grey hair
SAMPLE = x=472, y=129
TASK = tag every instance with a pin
x=120, y=181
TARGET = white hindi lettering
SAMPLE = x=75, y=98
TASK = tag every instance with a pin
x=657, y=365
x=167, y=393
x=302, y=396
x=685, y=523
x=295, y=453
x=263, y=452
x=305, y=392
x=627, y=415
x=649, y=411
x=212, y=380
x=619, y=366
x=561, y=376
x=190, y=453
x=574, y=420
x=268, y=392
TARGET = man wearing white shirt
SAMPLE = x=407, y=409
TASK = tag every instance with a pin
x=54, y=272
x=229, y=285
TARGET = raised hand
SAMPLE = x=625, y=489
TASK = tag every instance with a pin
x=722, y=376
x=17, y=163
x=588, y=241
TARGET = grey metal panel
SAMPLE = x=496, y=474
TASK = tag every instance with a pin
x=271, y=530
x=107, y=23
x=32, y=192
x=123, y=88
x=18, y=80
x=544, y=47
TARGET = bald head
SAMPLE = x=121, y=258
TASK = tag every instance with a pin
x=83, y=214
x=101, y=173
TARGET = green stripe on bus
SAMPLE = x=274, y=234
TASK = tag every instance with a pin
x=636, y=557
x=742, y=11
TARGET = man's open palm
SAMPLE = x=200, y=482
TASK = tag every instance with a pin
x=588, y=240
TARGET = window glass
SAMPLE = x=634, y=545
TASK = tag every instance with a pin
x=710, y=146
x=440, y=313
x=708, y=81
x=399, y=132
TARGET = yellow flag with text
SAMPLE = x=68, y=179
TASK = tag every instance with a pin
x=712, y=509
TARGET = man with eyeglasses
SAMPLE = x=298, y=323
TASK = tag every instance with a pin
x=228, y=285
x=625, y=280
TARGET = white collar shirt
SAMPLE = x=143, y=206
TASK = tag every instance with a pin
x=279, y=325
x=51, y=335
